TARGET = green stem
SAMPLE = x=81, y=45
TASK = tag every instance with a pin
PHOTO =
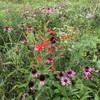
x=10, y=38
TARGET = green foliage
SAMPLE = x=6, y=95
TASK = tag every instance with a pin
x=76, y=30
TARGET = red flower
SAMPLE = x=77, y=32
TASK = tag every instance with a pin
x=39, y=30
x=52, y=32
x=52, y=68
x=38, y=59
x=49, y=60
x=68, y=35
x=49, y=19
x=33, y=65
x=38, y=48
x=63, y=52
x=44, y=44
x=50, y=50
x=64, y=56
x=60, y=47
x=63, y=38
x=52, y=39
x=47, y=39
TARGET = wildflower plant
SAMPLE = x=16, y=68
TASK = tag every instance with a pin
x=50, y=52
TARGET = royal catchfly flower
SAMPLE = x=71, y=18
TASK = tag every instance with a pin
x=25, y=95
x=50, y=31
x=65, y=81
x=33, y=65
x=52, y=67
x=34, y=73
x=42, y=79
x=49, y=60
x=31, y=85
x=53, y=42
x=70, y=73
x=38, y=47
x=50, y=50
x=38, y=59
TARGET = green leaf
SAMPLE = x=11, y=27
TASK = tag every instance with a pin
x=39, y=87
x=71, y=91
x=56, y=91
x=29, y=98
x=8, y=63
x=11, y=74
x=56, y=98
x=19, y=96
x=96, y=97
x=23, y=85
x=13, y=88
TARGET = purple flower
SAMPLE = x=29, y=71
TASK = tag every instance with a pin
x=34, y=14
x=55, y=9
x=89, y=76
x=90, y=16
x=42, y=79
x=49, y=60
x=65, y=81
x=61, y=5
x=87, y=69
x=76, y=61
x=25, y=95
x=25, y=42
x=29, y=27
x=17, y=51
x=29, y=17
x=31, y=85
x=26, y=11
x=36, y=49
x=34, y=73
x=48, y=10
x=95, y=70
x=60, y=75
x=7, y=28
x=43, y=9
x=70, y=73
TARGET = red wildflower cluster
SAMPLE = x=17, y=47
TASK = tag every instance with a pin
x=68, y=35
x=39, y=47
x=50, y=50
x=39, y=30
x=52, y=67
x=50, y=30
x=38, y=59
